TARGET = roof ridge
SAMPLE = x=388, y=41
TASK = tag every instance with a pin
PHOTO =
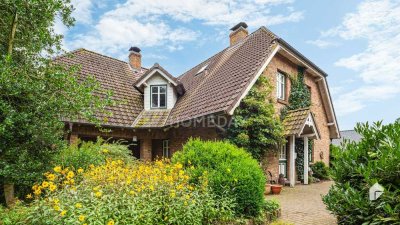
x=90, y=51
x=225, y=49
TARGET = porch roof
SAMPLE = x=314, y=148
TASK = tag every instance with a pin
x=151, y=118
x=295, y=123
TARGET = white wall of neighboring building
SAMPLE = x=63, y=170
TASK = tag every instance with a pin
x=157, y=79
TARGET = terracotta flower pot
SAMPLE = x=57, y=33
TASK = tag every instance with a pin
x=276, y=189
x=267, y=189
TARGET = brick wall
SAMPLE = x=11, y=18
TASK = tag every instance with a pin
x=290, y=69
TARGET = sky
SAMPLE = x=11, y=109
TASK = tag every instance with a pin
x=357, y=43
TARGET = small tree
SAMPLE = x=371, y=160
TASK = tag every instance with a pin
x=255, y=125
x=35, y=93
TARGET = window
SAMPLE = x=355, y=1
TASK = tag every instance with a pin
x=282, y=153
x=282, y=161
x=280, y=86
x=165, y=147
x=158, y=96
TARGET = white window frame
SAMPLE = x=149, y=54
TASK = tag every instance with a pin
x=282, y=153
x=165, y=148
x=282, y=160
x=280, y=85
x=158, y=96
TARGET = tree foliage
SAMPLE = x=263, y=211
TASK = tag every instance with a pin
x=255, y=125
x=358, y=166
x=35, y=92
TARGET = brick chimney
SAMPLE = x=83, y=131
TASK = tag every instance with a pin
x=135, y=58
x=238, y=33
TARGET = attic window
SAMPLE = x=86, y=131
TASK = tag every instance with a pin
x=201, y=69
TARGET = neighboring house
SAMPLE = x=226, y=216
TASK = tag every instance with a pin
x=159, y=111
x=350, y=135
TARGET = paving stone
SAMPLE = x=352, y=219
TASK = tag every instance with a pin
x=302, y=205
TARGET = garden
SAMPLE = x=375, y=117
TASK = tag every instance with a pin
x=100, y=183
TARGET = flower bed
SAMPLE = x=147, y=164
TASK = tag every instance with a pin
x=120, y=193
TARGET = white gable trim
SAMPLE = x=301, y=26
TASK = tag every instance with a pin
x=152, y=73
x=273, y=53
x=309, y=122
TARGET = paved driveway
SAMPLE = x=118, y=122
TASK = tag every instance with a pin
x=303, y=204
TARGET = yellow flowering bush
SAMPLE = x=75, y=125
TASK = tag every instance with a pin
x=117, y=192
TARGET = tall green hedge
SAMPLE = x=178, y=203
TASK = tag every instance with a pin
x=231, y=172
x=358, y=166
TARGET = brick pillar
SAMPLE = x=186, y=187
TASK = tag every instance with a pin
x=145, y=149
x=73, y=139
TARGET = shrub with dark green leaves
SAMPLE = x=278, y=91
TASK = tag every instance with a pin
x=320, y=170
x=358, y=166
x=231, y=172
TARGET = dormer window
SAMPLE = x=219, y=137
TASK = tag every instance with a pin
x=158, y=96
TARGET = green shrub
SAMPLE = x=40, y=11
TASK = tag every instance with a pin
x=358, y=166
x=231, y=172
x=320, y=170
x=83, y=154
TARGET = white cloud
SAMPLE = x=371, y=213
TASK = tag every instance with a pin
x=322, y=43
x=377, y=22
x=83, y=11
x=163, y=23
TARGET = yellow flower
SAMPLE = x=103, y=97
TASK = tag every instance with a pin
x=45, y=184
x=56, y=201
x=52, y=187
x=51, y=177
x=98, y=194
x=111, y=222
x=131, y=192
x=78, y=205
x=29, y=196
x=172, y=194
x=38, y=191
x=63, y=213
x=81, y=218
x=80, y=170
x=56, y=207
x=105, y=151
x=70, y=175
x=57, y=169
x=228, y=170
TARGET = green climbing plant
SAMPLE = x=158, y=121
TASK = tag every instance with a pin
x=255, y=125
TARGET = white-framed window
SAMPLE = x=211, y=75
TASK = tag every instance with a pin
x=282, y=153
x=280, y=85
x=282, y=161
x=165, y=147
x=158, y=96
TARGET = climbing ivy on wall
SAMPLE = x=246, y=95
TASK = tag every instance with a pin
x=255, y=125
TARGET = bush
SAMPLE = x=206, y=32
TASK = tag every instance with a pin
x=83, y=154
x=320, y=170
x=231, y=172
x=120, y=193
x=16, y=215
x=358, y=166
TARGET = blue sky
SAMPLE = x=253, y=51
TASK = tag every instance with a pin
x=356, y=42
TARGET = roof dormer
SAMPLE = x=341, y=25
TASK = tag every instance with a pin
x=160, y=89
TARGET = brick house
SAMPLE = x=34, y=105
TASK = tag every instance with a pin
x=157, y=112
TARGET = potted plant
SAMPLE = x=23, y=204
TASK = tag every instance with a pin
x=276, y=189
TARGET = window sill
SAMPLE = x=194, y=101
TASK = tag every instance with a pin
x=282, y=101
